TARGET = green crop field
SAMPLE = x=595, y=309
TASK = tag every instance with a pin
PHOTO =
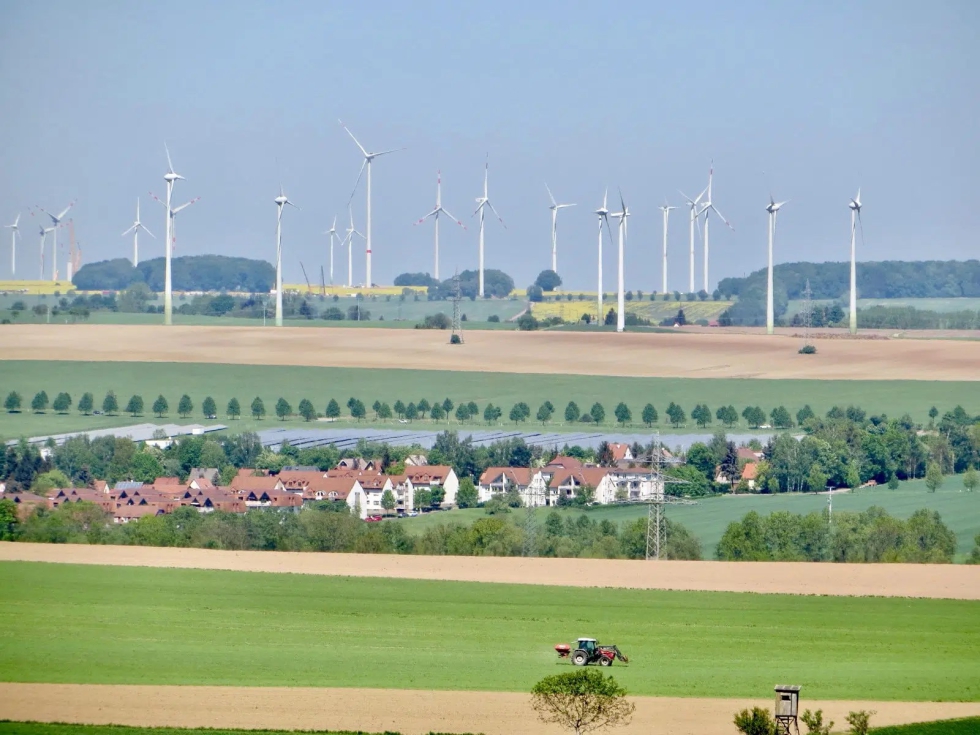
x=941, y=305
x=319, y=384
x=708, y=519
x=118, y=625
x=964, y=726
x=44, y=728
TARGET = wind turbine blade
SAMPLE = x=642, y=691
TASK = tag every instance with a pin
x=354, y=190
x=353, y=138
x=495, y=212
x=128, y=231
x=187, y=204
x=861, y=225
x=385, y=153
x=550, y=195
x=687, y=198
x=454, y=219
x=477, y=210
x=147, y=231
x=423, y=219
x=729, y=224
x=170, y=166
x=17, y=218
x=155, y=198
x=357, y=232
x=292, y=205
x=65, y=211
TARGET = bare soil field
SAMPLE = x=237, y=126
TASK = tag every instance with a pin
x=409, y=712
x=883, y=580
x=708, y=354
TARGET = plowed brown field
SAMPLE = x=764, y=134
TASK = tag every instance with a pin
x=710, y=354
x=953, y=581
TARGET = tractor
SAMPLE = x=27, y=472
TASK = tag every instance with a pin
x=588, y=651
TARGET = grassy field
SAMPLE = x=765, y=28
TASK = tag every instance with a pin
x=965, y=726
x=708, y=520
x=941, y=305
x=116, y=625
x=44, y=728
x=319, y=384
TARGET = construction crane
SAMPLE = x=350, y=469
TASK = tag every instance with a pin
x=309, y=288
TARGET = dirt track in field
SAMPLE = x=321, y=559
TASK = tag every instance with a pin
x=884, y=580
x=406, y=711
x=709, y=354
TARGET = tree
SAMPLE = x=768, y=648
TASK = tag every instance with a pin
x=754, y=416
x=971, y=479
x=86, y=403
x=333, y=409
x=388, y=500
x=8, y=520
x=436, y=413
x=135, y=406
x=462, y=412
x=160, y=406
x=258, y=408
x=185, y=406
x=649, y=415
x=701, y=414
x=756, y=721
x=859, y=721
x=400, y=409
x=12, y=403
x=781, y=418
x=547, y=280
x=447, y=406
x=488, y=413
x=424, y=407
x=39, y=404
x=357, y=409
x=597, y=412
x=475, y=410
x=581, y=701
x=933, y=413
x=676, y=414
x=817, y=479
x=466, y=496
x=307, y=410
x=62, y=403
x=411, y=412
x=527, y=322
x=209, y=408
x=234, y=409
x=545, y=412
x=520, y=412
x=934, y=477
x=109, y=403
x=534, y=293
x=623, y=414
x=801, y=416
x=572, y=412
x=815, y=724
x=727, y=415
x=283, y=409
x=384, y=411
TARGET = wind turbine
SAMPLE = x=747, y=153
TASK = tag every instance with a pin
x=707, y=208
x=333, y=233
x=772, y=209
x=44, y=236
x=695, y=214
x=603, y=214
x=56, y=222
x=368, y=158
x=621, y=302
x=482, y=203
x=439, y=209
x=281, y=201
x=135, y=229
x=555, y=206
x=170, y=177
x=14, y=234
x=855, y=206
x=351, y=231
x=666, y=210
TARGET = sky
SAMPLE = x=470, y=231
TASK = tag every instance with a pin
x=807, y=100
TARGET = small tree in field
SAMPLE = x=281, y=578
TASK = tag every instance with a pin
x=39, y=404
x=160, y=406
x=209, y=408
x=234, y=409
x=815, y=724
x=12, y=403
x=971, y=479
x=333, y=409
x=701, y=414
x=859, y=721
x=135, y=406
x=258, y=408
x=185, y=406
x=756, y=721
x=649, y=415
x=572, y=412
x=283, y=409
x=388, y=501
x=308, y=411
x=623, y=414
x=62, y=403
x=110, y=404
x=582, y=701
x=86, y=403
x=934, y=477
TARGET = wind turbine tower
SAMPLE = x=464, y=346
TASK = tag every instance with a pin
x=439, y=209
x=621, y=294
x=706, y=209
x=772, y=209
x=281, y=201
x=666, y=210
x=14, y=234
x=482, y=203
x=351, y=231
x=368, y=158
x=855, y=206
x=135, y=229
x=55, y=222
x=695, y=214
x=603, y=214
x=555, y=206
x=44, y=236
x=333, y=233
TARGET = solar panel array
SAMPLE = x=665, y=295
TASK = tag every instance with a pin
x=136, y=432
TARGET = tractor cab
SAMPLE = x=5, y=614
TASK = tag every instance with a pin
x=587, y=644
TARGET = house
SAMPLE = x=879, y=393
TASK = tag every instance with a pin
x=128, y=513
x=527, y=482
x=26, y=503
x=621, y=452
x=272, y=499
x=357, y=463
x=244, y=483
x=631, y=485
x=747, y=454
x=80, y=495
x=416, y=460
x=429, y=477
x=562, y=462
x=201, y=483
x=374, y=487
x=568, y=483
x=211, y=474
x=750, y=473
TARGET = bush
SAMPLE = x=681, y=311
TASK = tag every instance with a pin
x=455, y=340
x=527, y=322
x=808, y=350
x=435, y=321
x=756, y=721
x=493, y=318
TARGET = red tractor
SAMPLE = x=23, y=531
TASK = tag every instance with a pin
x=588, y=651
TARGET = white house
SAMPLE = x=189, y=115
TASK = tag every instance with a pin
x=428, y=477
x=528, y=482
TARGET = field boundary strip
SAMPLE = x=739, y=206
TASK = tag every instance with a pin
x=410, y=712
x=943, y=581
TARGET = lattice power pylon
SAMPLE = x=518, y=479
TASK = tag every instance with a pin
x=530, y=547
x=457, y=335
x=656, y=520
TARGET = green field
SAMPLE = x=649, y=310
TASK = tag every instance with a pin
x=941, y=305
x=116, y=625
x=964, y=726
x=959, y=510
x=43, y=728
x=319, y=384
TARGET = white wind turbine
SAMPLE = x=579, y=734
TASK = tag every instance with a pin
x=349, y=240
x=44, y=236
x=56, y=222
x=772, y=209
x=666, y=210
x=333, y=233
x=368, y=158
x=555, y=206
x=695, y=214
x=603, y=214
x=855, y=206
x=706, y=209
x=135, y=229
x=482, y=203
x=621, y=293
x=170, y=177
x=14, y=234
x=281, y=201
x=439, y=209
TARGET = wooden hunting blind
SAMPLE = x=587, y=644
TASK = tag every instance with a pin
x=787, y=708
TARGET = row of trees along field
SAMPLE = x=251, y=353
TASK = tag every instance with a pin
x=875, y=280
x=189, y=273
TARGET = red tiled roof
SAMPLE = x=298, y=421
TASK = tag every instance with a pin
x=515, y=475
x=750, y=471
x=562, y=461
x=242, y=483
x=618, y=450
x=428, y=473
x=590, y=476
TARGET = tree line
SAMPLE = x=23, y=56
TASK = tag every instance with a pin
x=189, y=273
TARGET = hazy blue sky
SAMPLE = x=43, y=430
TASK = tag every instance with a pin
x=811, y=99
